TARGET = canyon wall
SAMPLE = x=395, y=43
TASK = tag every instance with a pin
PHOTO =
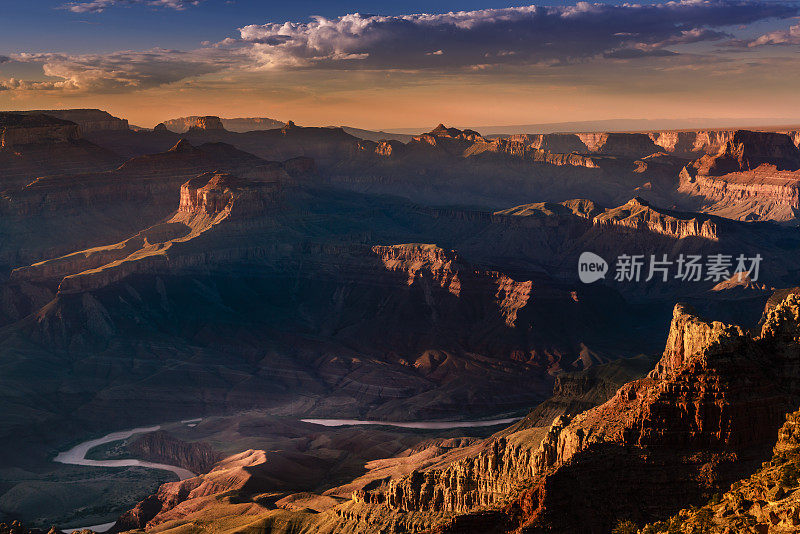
x=34, y=129
x=711, y=399
x=89, y=120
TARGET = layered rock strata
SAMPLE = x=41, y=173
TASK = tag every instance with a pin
x=34, y=129
x=702, y=416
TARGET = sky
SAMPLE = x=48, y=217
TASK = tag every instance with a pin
x=403, y=64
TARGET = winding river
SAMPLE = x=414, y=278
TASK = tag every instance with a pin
x=77, y=454
x=428, y=425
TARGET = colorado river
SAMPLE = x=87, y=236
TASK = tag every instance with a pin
x=429, y=425
x=77, y=456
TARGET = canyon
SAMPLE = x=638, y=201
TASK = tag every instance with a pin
x=256, y=273
x=681, y=432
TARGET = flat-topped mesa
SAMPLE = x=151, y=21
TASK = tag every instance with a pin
x=213, y=193
x=747, y=151
x=248, y=124
x=632, y=145
x=89, y=120
x=207, y=123
x=35, y=129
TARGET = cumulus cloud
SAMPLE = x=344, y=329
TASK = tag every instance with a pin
x=779, y=37
x=461, y=42
x=98, y=6
x=120, y=71
x=516, y=35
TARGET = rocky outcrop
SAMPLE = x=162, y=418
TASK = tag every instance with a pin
x=211, y=194
x=205, y=201
x=638, y=214
x=554, y=143
x=766, y=502
x=34, y=129
x=691, y=144
x=747, y=151
x=451, y=140
x=418, y=260
x=761, y=194
x=208, y=122
x=161, y=127
x=630, y=145
x=241, y=124
x=795, y=135
x=89, y=120
x=161, y=447
x=424, y=263
x=389, y=149
x=147, y=189
x=753, y=177
x=704, y=414
x=244, y=472
x=443, y=131
x=16, y=527
x=528, y=152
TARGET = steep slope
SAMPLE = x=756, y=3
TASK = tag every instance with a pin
x=731, y=174
x=754, y=176
x=767, y=501
x=35, y=144
x=451, y=166
x=632, y=145
x=255, y=291
x=273, y=501
x=703, y=417
x=55, y=214
x=252, y=277
x=89, y=120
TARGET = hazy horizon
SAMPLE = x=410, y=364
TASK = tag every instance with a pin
x=493, y=63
